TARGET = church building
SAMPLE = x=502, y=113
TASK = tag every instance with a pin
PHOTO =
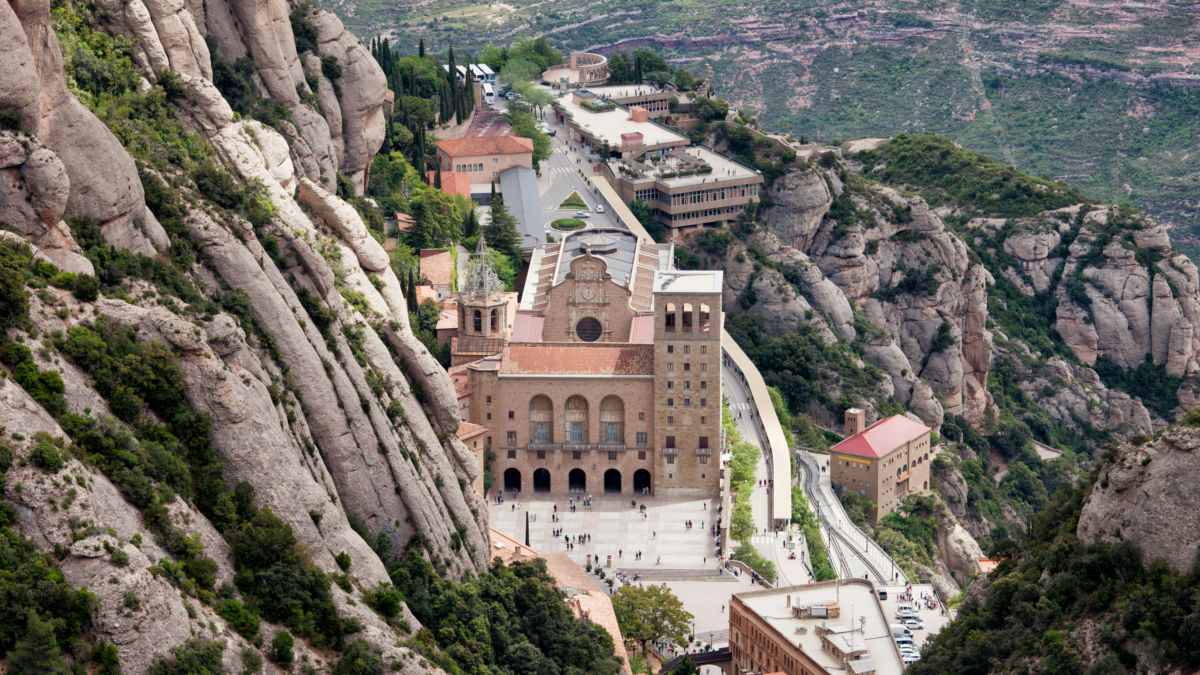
x=607, y=380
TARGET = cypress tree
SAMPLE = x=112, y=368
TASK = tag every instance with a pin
x=421, y=48
x=412, y=288
x=437, y=178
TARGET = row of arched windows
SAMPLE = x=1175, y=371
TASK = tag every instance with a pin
x=575, y=420
x=684, y=320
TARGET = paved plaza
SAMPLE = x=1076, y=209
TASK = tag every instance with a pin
x=616, y=529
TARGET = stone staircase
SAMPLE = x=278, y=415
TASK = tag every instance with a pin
x=657, y=574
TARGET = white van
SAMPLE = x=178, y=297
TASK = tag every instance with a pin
x=900, y=630
x=905, y=615
x=905, y=607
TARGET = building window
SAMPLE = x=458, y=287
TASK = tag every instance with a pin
x=702, y=442
x=703, y=419
x=511, y=414
x=541, y=454
x=642, y=416
x=687, y=349
x=489, y=416
x=670, y=404
x=588, y=329
x=670, y=459
x=576, y=455
x=575, y=432
x=704, y=384
x=670, y=349
x=687, y=384
x=670, y=384
x=641, y=438
x=641, y=454
x=703, y=403
x=612, y=432
x=704, y=367
x=704, y=459
x=670, y=367
x=687, y=366
x=687, y=402
x=612, y=455
x=669, y=441
x=511, y=437
x=670, y=419
x=512, y=454
x=489, y=400
x=703, y=349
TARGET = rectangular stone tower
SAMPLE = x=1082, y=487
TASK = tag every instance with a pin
x=687, y=382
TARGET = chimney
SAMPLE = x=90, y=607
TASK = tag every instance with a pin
x=638, y=114
x=855, y=421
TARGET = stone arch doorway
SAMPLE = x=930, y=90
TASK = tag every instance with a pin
x=641, y=482
x=512, y=480
x=577, y=480
x=612, y=481
x=541, y=480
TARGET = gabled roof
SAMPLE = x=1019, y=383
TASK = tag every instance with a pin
x=473, y=146
x=454, y=183
x=436, y=266
x=881, y=438
x=577, y=359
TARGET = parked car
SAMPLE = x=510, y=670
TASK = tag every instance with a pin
x=599, y=209
x=915, y=624
x=582, y=214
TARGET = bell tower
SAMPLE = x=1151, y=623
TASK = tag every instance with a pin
x=482, y=304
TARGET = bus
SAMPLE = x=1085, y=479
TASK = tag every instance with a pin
x=489, y=94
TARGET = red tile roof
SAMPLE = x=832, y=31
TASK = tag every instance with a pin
x=474, y=146
x=436, y=266
x=641, y=329
x=528, y=327
x=882, y=437
x=467, y=430
x=577, y=359
x=425, y=293
x=454, y=183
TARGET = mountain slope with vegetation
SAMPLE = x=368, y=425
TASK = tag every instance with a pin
x=1102, y=95
x=220, y=430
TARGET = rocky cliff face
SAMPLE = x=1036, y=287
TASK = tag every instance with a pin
x=330, y=408
x=1144, y=495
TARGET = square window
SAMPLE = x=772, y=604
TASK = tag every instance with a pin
x=641, y=438
x=671, y=460
x=670, y=441
x=670, y=384
x=576, y=455
x=489, y=416
x=687, y=349
x=687, y=384
x=687, y=366
x=704, y=459
x=641, y=454
x=541, y=454
x=670, y=349
x=670, y=404
x=489, y=400
x=512, y=454
x=687, y=402
x=511, y=414
x=670, y=419
x=642, y=416
x=703, y=384
x=612, y=455
x=703, y=403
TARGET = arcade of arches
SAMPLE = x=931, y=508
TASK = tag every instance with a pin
x=576, y=480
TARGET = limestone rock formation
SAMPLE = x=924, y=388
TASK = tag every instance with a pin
x=34, y=189
x=1146, y=496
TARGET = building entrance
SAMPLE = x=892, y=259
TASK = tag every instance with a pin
x=512, y=480
x=577, y=481
x=641, y=482
x=612, y=481
x=541, y=480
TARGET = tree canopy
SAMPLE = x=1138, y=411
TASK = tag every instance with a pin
x=651, y=614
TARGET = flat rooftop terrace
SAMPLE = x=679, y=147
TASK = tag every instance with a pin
x=610, y=124
x=860, y=624
x=626, y=90
x=699, y=281
x=688, y=160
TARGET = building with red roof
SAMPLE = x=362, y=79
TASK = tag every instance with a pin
x=884, y=461
x=482, y=158
x=454, y=183
x=607, y=378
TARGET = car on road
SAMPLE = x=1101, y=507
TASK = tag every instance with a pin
x=599, y=209
x=915, y=624
x=909, y=660
x=582, y=214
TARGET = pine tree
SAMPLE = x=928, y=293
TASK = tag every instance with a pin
x=501, y=232
x=411, y=298
x=37, y=653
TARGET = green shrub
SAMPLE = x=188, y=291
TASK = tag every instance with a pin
x=281, y=648
x=343, y=560
x=748, y=554
x=86, y=288
x=567, y=224
x=45, y=456
x=190, y=658
x=240, y=618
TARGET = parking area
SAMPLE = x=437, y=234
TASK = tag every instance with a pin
x=925, y=602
